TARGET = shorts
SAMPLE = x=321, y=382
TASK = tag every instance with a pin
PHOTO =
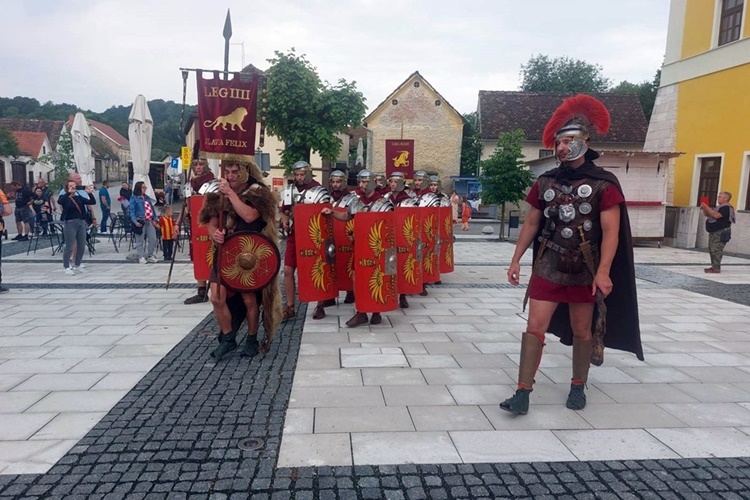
x=290, y=252
x=22, y=214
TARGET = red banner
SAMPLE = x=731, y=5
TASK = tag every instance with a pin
x=399, y=157
x=226, y=114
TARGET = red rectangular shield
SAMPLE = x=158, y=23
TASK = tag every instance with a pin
x=375, y=265
x=343, y=234
x=399, y=157
x=226, y=114
x=202, y=245
x=313, y=237
x=430, y=244
x=446, y=240
x=408, y=228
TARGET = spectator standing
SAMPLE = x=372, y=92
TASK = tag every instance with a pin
x=465, y=214
x=5, y=211
x=125, y=194
x=106, y=202
x=166, y=223
x=719, y=228
x=143, y=217
x=73, y=205
x=454, y=206
x=23, y=213
x=45, y=219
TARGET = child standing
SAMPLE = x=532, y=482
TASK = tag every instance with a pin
x=166, y=224
x=44, y=219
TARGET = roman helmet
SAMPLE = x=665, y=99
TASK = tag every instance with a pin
x=369, y=176
x=572, y=121
x=420, y=176
x=435, y=182
x=337, y=175
x=400, y=179
x=303, y=166
x=380, y=179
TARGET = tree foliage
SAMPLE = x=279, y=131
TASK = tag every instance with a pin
x=8, y=143
x=504, y=176
x=167, y=136
x=305, y=112
x=471, y=145
x=61, y=159
x=562, y=74
x=645, y=90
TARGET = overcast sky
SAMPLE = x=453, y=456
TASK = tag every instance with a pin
x=99, y=53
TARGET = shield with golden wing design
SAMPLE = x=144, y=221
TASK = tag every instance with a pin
x=316, y=253
x=375, y=262
x=248, y=261
x=343, y=234
x=201, y=246
x=430, y=244
x=446, y=240
x=408, y=232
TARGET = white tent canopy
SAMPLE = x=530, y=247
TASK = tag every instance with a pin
x=140, y=131
x=84, y=161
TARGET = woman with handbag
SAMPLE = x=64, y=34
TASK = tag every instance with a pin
x=144, y=220
x=719, y=227
x=73, y=216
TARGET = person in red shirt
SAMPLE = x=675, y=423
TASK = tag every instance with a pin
x=583, y=255
x=166, y=227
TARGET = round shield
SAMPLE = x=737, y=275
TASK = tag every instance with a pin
x=248, y=261
x=549, y=195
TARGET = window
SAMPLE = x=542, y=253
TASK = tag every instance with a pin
x=708, y=185
x=731, y=21
x=546, y=153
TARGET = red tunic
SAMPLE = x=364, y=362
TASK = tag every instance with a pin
x=541, y=289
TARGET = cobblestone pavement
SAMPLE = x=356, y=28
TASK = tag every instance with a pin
x=177, y=434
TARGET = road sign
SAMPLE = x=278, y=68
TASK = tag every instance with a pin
x=185, y=153
x=175, y=163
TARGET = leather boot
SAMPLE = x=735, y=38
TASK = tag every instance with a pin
x=356, y=320
x=531, y=356
x=227, y=345
x=402, y=302
x=251, y=346
x=376, y=319
x=581, y=363
x=199, y=298
x=319, y=312
x=288, y=312
x=349, y=299
x=423, y=293
x=329, y=303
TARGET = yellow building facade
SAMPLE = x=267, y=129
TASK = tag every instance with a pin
x=703, y=104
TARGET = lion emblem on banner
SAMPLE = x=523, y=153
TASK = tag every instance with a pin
x=233, y=119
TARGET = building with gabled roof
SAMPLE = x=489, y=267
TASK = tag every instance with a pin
x=32, y=144
x=416, y=111
x=111, y=151
x=53, y=128
x=506, y=111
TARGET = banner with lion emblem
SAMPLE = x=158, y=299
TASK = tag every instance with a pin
x=227, y=115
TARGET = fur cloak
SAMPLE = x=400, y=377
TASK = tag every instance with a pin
x=264, y=201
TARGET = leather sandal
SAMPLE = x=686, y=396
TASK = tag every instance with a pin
x=288, y=312
x=356, y=320
x=376, y=319
x=319, y=312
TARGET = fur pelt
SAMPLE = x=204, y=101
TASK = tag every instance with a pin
x=264, y=201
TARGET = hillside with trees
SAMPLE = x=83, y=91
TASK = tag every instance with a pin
x=167, y=137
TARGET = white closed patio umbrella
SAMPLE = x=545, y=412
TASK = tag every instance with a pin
x=140, y=132
x=360, y=153
x=84, y=161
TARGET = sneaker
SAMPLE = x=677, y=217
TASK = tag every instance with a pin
x=152, y=260
x=3, y=289
x=70, y=272
x=142, y=260
x=23, y=238
x=79, y=269
x=16, y=237
x=83, y=266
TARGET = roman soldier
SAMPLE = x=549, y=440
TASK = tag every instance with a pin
x=381, y=185
x=240, y=202
x=421, y=183
x=583, y=274
x=337, y=185
x=303, y=180
x=402, y=198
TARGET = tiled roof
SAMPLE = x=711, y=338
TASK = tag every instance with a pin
x=53, y=128
x=505, y=111
x=104, y=129
x=30, y=143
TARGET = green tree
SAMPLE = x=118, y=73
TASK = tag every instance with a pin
x=562, y=74
x=8, y=143
x=645, y=90
x=471, y=145
x=505, y=177
x=304, y=112
x=61, y=159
